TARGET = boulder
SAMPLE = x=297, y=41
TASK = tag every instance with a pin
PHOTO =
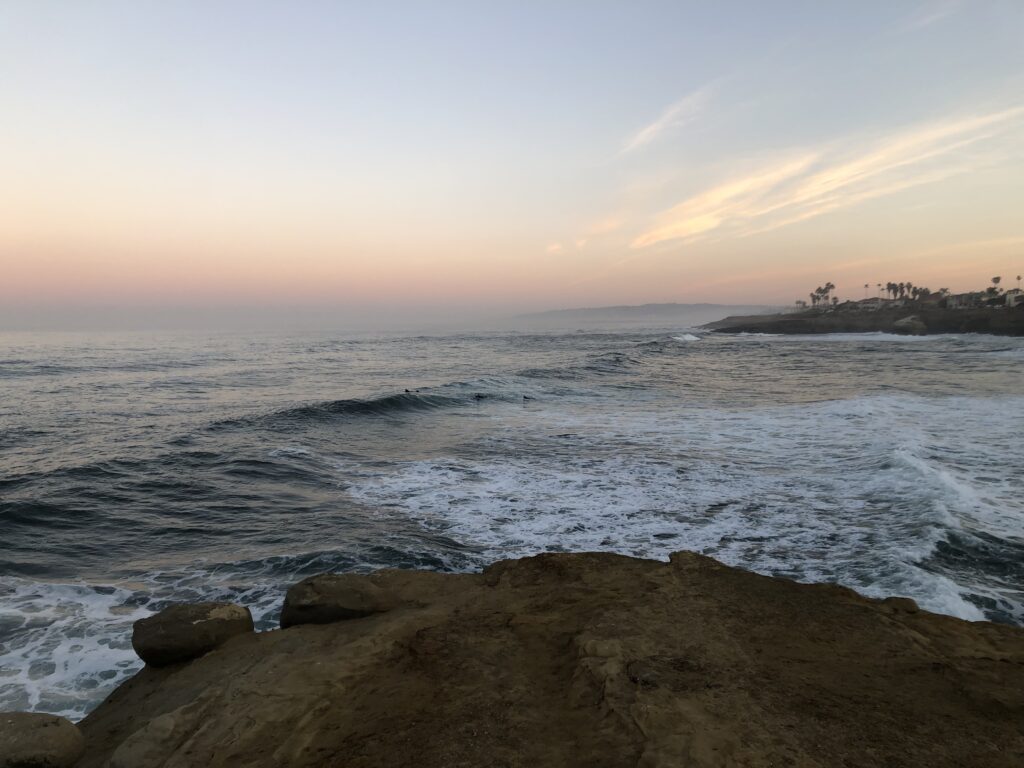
x=184, y=632
x=332, y=597
x=912, y=325
x=34, y=740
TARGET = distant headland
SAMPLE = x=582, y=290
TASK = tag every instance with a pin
x=896, y=308
x=642, y=315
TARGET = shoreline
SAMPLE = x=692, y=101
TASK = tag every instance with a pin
x=907, y=321
x=574, y=659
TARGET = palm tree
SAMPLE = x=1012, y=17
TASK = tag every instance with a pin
x=996, y=281
x=879, y=290
x=865, y=290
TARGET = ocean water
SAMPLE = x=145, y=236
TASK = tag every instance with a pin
x=139, y=470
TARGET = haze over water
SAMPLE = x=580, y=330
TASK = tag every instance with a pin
x=140, y=469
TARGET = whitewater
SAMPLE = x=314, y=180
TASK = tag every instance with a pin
x=138, y=470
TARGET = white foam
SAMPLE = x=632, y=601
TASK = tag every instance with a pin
x=66, y=646
x=686, y=337
x=1013, y=354
x=842, y=491
x=864, y=337
x=872, y=336
x=289, y=451
x=71, y=640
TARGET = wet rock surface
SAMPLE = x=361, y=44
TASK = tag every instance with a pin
x=30, y=740
x=185, y=632
x=587, y=660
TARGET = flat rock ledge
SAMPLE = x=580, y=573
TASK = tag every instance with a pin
x=185, y=632
x=583, y=659
x=331, y=597
x=31, y=740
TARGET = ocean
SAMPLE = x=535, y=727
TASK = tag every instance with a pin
x=137, y=470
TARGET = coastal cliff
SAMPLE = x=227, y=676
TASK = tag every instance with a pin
x=578, y=660
x=906, y=320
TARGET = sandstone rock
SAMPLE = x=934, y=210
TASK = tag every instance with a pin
x=900, y=605
x=183, y=632
x=33, y=740
x=332, y=597
x=584, y=659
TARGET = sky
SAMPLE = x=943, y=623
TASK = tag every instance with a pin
x=371, y=159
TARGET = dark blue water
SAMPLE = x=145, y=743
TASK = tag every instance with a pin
x=137, y=470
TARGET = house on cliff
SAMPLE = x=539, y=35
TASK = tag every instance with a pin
x=971, y=300
x=869, y=305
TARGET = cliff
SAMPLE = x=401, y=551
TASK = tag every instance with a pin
x=907, y=320
x=575, y=660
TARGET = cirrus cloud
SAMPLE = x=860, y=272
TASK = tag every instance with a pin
x=676, y=115
x=823, y=180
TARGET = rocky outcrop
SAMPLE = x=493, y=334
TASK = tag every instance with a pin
x=30, y=740
x=185, y=632
x=588, y=660
x=1000, y=321
x=332, y=597
x=912, y=325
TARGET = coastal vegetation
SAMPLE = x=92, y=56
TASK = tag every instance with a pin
x=823, y=297
x=898, y=307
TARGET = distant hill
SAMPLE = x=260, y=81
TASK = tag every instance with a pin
x=641, y=315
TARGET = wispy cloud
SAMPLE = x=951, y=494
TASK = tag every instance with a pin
x=709, y=210
x=819, y=181
x=677, y=115
x=932, y=13
x=555, y=248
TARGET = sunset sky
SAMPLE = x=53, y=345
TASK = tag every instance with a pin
x=503, y=156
